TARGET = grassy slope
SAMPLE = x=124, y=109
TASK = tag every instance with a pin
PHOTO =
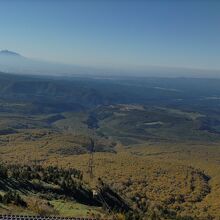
x=151, y=170
x=38, y=194
x=148, y=162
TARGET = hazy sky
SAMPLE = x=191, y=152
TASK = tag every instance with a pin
x=124, y=33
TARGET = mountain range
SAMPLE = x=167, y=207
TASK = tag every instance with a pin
x=13, y=62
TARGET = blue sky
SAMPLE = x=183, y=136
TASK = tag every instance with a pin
x=114, y=33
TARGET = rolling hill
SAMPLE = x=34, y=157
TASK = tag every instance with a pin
x=156, y=143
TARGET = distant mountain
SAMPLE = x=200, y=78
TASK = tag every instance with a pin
x=13, y=62
x=9, y=53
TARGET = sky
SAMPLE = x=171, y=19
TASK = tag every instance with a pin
x=114, y=33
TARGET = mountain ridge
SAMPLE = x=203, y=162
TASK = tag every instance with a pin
x=9, y=53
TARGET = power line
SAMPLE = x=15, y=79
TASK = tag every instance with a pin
x=110, y=211
x=91, y=175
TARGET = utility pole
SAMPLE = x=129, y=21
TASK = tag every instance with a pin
x=90, y=163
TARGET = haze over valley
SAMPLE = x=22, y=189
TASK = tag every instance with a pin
x=13, y=62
